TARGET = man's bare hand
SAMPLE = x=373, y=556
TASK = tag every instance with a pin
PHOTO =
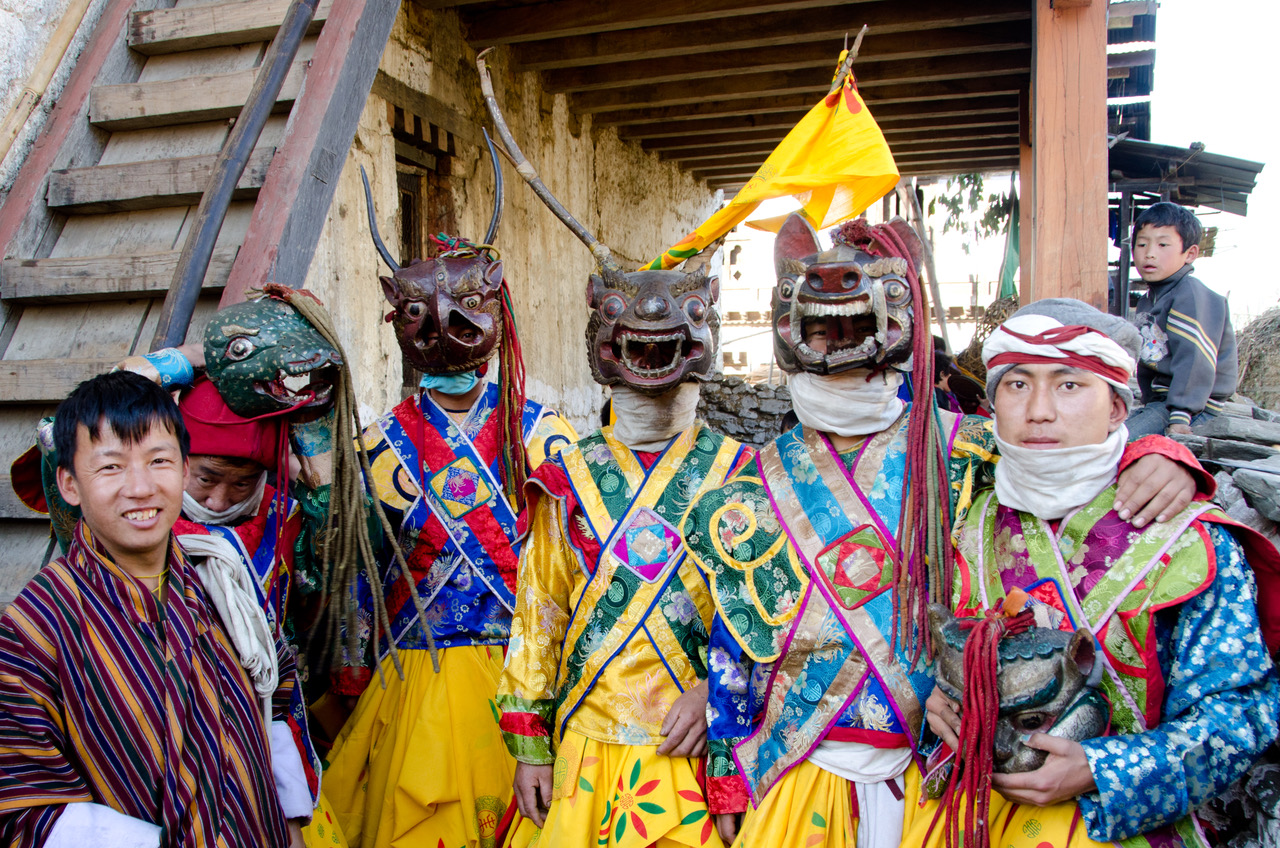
x=727, y=825
x=533, y=792
x=686, y=725
x=295, y=834
x=944, y=718
x=1063, y=776
x=1153, y=488
x=1178, y=430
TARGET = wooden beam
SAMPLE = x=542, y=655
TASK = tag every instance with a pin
x=776, y=29
x=562, y=18
x=428, y=108
x=900, y=78
x=912, y=99
x=1069, y=154
x=294, y=201
x=890, y=118
x=901, y=47
x=710, y=161
x=116, y=277
x=197, y=27
x=147, y=185
x=681, y=147
x=46, y=380
x=189, y=100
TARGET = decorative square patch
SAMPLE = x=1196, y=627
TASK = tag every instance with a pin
x=460, y=487
x=647, y=545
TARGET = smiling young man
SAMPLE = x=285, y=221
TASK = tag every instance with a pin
x=1172, y=607
x=126, y=717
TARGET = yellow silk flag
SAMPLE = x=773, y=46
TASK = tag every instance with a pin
x=835, y=162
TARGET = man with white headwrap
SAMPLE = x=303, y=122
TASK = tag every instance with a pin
x=816, y=554
x=1173, y=607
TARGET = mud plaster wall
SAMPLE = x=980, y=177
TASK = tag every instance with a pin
x=628, y=198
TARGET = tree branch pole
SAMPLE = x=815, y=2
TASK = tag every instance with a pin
x=917, y=220
x=184, y=291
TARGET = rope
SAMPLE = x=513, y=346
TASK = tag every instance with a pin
x=345, y=546
x=971, y=776
x=927, y=563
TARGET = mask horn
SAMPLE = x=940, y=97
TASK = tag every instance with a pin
x=373, y=225
x=601, y=253
x=492, y=232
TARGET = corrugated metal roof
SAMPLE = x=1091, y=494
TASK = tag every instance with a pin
x=1192, y=176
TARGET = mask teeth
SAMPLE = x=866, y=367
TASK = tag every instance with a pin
x=651, y=373
x=822, y=310
x=882, y=312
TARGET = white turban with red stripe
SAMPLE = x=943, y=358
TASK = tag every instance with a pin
x=1067, y=332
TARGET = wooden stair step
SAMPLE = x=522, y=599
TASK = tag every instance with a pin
x=148, y=185
x=207, y=97
x=85, y=278
x=159, y=31
x=46, y=380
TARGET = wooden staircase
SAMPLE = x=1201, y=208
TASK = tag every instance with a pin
x=91, y=233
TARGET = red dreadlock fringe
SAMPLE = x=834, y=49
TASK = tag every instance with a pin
x=927, y=564
x=513, y=459
x=971, y=773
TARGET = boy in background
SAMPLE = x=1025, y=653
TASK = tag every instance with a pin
x=1187, y=363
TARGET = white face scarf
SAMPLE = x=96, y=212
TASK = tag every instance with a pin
x=647, y=423
x=200, y=514
x=1050, y=483
x=847, y=404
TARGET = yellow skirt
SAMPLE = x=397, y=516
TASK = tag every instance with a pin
x=1010, y=825
x=807, y=807
x=422, y=764
x=620, y=796
x=324, y=831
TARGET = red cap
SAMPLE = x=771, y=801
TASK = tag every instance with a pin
x=217, y=431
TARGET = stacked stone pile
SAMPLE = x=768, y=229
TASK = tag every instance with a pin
x=1242, y=449
x=749, y=413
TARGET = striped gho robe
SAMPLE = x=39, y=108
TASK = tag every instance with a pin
x=110, y=697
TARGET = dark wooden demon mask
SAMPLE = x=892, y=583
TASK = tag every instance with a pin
x=651, y=330
x=860, y=289
x=447, y=310
x=1046, y=681
x=648, y=330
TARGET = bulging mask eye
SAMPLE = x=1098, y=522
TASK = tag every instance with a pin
x=240, y=348
x=894, y=290
x=696, y=308
x=786, y=289
x=613, y=306
x=471, y=301
x=415, y=309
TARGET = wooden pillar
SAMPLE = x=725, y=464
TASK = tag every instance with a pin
x=1068, y=191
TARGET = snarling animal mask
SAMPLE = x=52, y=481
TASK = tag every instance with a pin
x=265, y=358
x=651, y=330
x=447, y=310
x=1046, y=680
x=859, y=287
x=648, y=330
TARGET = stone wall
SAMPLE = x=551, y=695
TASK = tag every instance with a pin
x=628, y=198
x=746, y=412
x=25, y=29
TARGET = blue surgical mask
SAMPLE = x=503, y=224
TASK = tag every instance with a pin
x=451, y=384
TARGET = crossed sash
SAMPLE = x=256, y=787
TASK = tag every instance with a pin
x=461, y=490
x=1138, y=580
x=634, y=512
x=837, y=642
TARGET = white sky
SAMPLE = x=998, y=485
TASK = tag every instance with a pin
x=1215, y=64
